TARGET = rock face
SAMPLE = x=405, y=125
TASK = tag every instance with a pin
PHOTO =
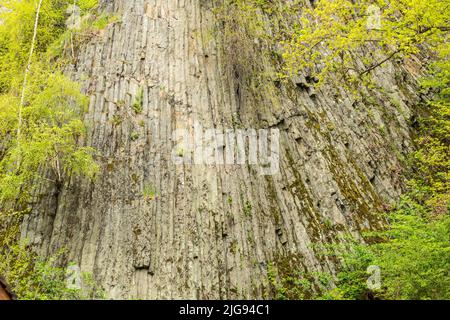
x=151, y=228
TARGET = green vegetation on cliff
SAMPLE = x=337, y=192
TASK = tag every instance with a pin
x=41, y=129
x=354, y=39
x=42, y=132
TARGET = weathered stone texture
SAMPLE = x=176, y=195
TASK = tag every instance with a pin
x=211, y=231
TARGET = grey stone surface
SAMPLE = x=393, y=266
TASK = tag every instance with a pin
x=193, y=239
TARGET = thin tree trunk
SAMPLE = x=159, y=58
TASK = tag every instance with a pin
x=27, y=70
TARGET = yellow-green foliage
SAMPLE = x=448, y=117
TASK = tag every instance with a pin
x=240, y=25
x=351, y=39
x=343, y=37
x=16, y=28
x=149, y=192
x=69, y=42
x=334, y=33
x=430, y=180
x=104, y=20
x=289, y=281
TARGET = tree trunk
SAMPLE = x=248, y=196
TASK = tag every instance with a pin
x=211, y=231
x=27, y=70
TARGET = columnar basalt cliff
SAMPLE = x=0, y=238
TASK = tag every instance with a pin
x=211, y=231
